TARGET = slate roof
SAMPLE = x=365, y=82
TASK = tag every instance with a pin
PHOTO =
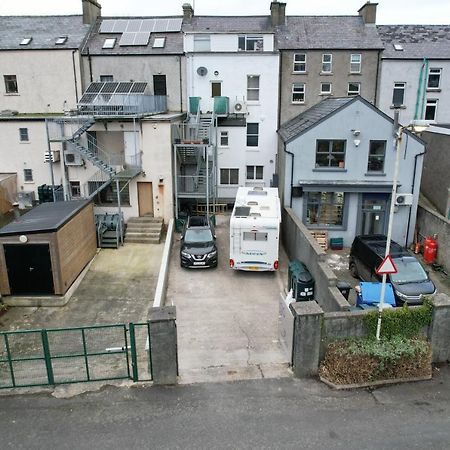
x=43, y=29
x=312, y=116
x=327, y=32
x=418, y=41
x=173, y=43
x=229, y=24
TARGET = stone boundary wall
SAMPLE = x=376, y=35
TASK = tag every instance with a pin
x=300, y=244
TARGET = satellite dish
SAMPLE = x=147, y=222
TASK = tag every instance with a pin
x=238, y=106
x=202, y=71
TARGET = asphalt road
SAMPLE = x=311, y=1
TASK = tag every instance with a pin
x=261, y=414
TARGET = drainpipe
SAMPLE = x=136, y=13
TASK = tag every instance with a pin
x=90, y=64
x=279, y=89
x=181, y=84
x=292, y=173
x=75, y=75
x=377, y=78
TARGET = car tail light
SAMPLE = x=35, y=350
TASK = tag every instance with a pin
x=275, y=265
x=231, y=263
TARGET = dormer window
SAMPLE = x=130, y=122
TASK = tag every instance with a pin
x=26, y=41
x=61, y=40
x=109, y=43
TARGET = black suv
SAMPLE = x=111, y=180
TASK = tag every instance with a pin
x=411, y=281
x=198, y=243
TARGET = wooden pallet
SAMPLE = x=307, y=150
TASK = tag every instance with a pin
x=221, y=208
x=322, y=238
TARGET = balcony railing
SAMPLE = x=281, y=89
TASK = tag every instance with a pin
x=193, y=184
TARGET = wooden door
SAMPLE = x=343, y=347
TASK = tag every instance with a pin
x=145, y=198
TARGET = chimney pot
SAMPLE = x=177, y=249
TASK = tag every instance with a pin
x=188, y=13
x=278, y=13
x=369, y=13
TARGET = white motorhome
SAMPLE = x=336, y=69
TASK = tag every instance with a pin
x=255, y=229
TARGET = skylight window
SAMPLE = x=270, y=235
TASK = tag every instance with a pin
x=109, y=43
x=26, y=41
x=398, y=47
x=61, y=40
x=159, y=42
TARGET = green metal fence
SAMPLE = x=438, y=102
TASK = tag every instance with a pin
x=73, y=355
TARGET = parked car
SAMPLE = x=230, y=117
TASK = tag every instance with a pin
x=198, y=243
x=410, y=283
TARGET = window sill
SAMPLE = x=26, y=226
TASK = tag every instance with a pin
x=358, y=74
x=299, y=73
x=253, y=103
x=326, y=73
x=254, y=149
x=433, y=89
x=298, y=103
x=28, y=182
x=11, y=94
x=329, y=169
x=397, y=107
x=325, y=94
x=24, y=142
x=374, y=174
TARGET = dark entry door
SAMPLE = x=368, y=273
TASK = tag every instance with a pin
x=29, y=269
x=374, y=208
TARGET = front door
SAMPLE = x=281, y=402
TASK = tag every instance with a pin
x=145, y=198
x=374, y=207
x=29, y=269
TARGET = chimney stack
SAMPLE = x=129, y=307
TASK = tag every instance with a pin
x=369, y=13
x=91, y=10
x=277, y=13
x=188, y=13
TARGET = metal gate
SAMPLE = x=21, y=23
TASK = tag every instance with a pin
x=73, y=355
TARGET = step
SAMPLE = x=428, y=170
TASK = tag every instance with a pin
x=145, y=219
x=146, y=240
x=150, y=227
x=139, y=234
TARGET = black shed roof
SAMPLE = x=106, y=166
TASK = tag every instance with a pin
x=44, y=218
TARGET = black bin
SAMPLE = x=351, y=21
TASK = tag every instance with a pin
x=300, y=281
x=344, y=288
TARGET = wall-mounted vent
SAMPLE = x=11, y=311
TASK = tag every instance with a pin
x=202, y=71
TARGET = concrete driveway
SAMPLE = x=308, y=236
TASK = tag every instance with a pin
x=227, y=321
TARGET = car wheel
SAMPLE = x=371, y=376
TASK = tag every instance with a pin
x=353, y=270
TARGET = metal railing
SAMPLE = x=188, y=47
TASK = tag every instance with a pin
x=193, y=184
x=66, y=127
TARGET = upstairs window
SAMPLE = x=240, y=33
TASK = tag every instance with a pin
x=28, y=175
x=202, y=43
x=106, y=78
x=325, y=88
x=216, y=88
x=377, y=152
x=398, y=96
x=229, y=176
x=253, y=87
x=23, y=135
x=330, y=153
x=355, y=63
x=354, y=88
x=431, y=109
x=255, y=172
x=299, y=63
x=224, y=138
x=434, y=78
x=298, y=92
x=252, y=134
x=11, y=84
x=327, y=63
x=159, y=85
x=251, y=43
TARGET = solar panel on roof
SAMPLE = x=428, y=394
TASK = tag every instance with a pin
x=141, y=38
x=88, y=98
x=134, y=26
x=124, y=88
x=174, y=24
x=127, y=39
x=94, y=88
x=138, y=88
x=120, y=26
x=107, y=26
x=160, y=25
x=148, y=25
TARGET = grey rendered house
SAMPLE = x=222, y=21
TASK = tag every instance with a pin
x=337, y=168
x=326, y=56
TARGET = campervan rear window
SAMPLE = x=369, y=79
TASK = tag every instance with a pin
x=254, y=236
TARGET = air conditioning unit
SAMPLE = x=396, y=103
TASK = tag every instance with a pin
x=54, y=155
x=72, y=159
x=404, y=199
x=240, y=107
x=25, y=199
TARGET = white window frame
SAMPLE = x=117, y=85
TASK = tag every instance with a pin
x=298, y=89
x=252, y=135
x=322, y=92
x=433, y=71
x=354, y=92
x=330, y=62
x=432, y=102
x=11, y=82
x=30, y=178
x=224, y=136
x=24, y=136
x=229, y=169
x=399, y=86
x=355, y=66
x=245, y=39
x=202, y=43
x=251, y=89
x=299, y=60
x=254, y=175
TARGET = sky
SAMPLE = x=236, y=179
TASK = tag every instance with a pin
x=388, y=12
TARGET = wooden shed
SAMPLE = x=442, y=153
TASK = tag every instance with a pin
x=44, y=251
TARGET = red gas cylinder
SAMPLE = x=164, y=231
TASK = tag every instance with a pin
x=430, y=250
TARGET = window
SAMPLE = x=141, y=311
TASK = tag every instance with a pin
x=216, y=88
x=224, y=138
x=355, y=63
x=377, y=152
x=61, y=40
x=298, y=92
x=431, y=109
x=252, y=134
x=23, y=135
x=253, y=87
x=202, y=43
x=109, y=43
x=327, y=63
x=325, y=208
x=255, y=172
x=251, y=43
x=108, y=195
x=28, y=175
x=106, y=78
x=354, y=88
x=330, y=153
x=75, y=190
x=434, y=78
x=159, y=42
x=159, y=85
x=299, y=63
x=11, y=84
x=325, y=88
x=398, y=47
x=254, y=236
x=229, y=176
x=26, y=41
x=398, y=96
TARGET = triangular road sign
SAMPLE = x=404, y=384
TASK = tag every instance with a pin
x=387, y=266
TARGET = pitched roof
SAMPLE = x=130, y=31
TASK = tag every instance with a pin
x=417, y=41
x=173, y=43
x=327, y=32
x=229, y=24
x=43, y=29
x=312, y=116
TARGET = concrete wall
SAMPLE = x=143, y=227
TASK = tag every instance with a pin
x=430, y=222
x=300, y=244
x=339, y=78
